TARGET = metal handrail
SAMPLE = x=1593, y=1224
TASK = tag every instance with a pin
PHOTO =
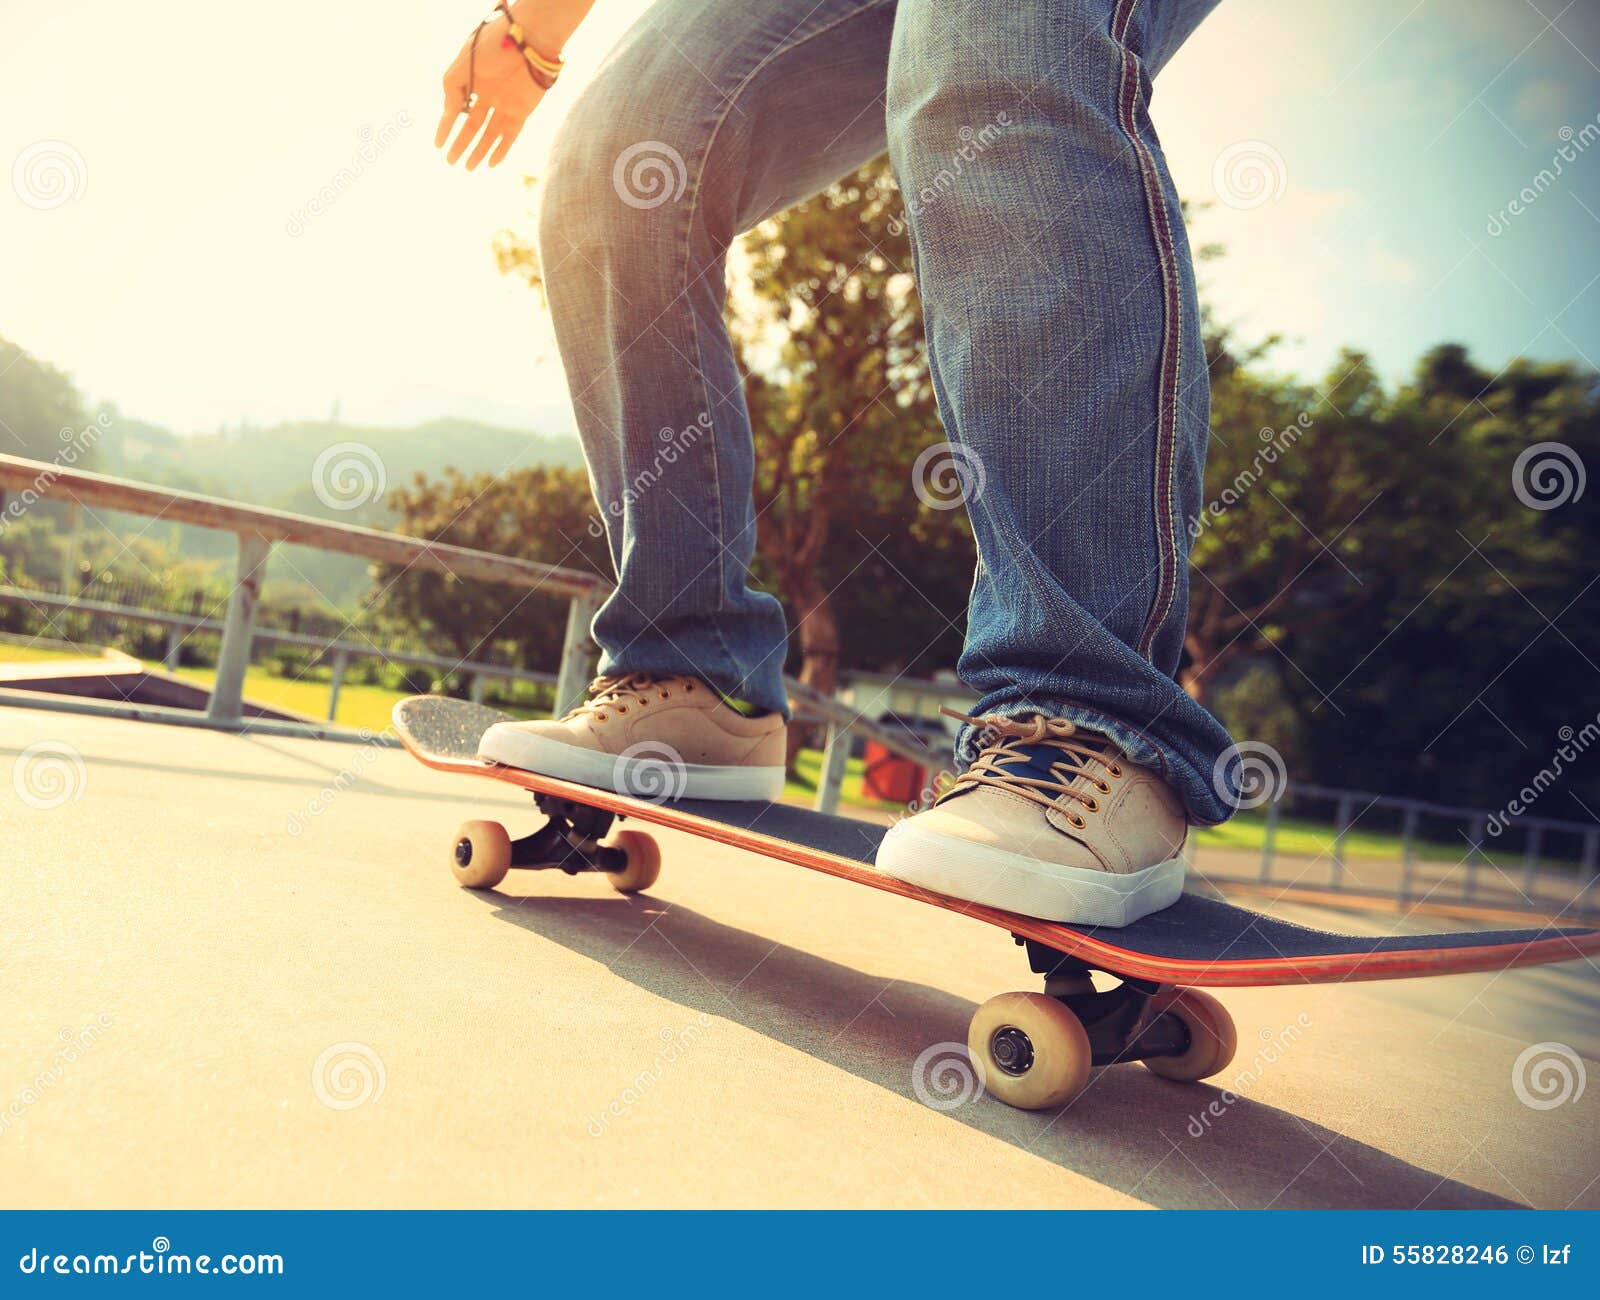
x=258, y=528
x=104, y=490
x=340, y=652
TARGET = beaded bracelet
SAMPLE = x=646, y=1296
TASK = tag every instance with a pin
x=544, y=71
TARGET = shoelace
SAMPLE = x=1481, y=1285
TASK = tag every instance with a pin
x=1080, y=756
x=622, y=689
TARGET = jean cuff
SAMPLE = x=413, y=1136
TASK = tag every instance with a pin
x=1135, y=745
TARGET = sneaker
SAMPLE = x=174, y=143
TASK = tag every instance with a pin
x=1049, y=821
x=655, y=738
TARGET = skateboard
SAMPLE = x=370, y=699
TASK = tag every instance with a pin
x=1033, y=1050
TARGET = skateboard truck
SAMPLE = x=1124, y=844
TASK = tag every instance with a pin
x=1121, y=1023
x=569, y=841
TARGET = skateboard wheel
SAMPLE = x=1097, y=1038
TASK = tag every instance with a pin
x=1033, y=1052
x=1212, y=1039
x=481, y=855
x=644, y=862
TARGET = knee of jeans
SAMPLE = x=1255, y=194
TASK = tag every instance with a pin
x=950, y=162
x=960, y=99
x=942, y=120
x=619, y=185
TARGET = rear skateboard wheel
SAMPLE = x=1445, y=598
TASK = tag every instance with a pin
x=644, y=862
x=481, y=855
x=1212, y=1039
x=1034, y=1053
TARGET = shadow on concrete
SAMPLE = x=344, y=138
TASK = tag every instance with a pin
x=1129, y=1129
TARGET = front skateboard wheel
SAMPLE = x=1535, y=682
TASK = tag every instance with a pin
x=643, y=866
x=1033, y=1051
x=481, y=855
x=1212, y=1039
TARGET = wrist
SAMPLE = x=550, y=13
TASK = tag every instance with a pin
x=546, y=26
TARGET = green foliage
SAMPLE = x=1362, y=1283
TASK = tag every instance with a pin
x=293, y=662
x=37, y=404
x=544, y=514
x=1311, y=493
x=1471, y=644
x=841, y=402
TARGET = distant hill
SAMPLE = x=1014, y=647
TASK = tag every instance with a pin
x=277, y=466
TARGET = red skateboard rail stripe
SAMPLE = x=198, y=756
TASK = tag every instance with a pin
x=1221, y=973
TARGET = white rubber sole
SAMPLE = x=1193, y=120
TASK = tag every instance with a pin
x=650, y=771
x=1015, y=882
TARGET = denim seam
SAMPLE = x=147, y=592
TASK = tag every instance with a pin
x=688, y=253
x=1170, y=358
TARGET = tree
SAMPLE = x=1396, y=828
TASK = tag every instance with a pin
x=37, y=404
x=1294, y=514
x=1475, y=645
x=845, y=405
x=543, y=513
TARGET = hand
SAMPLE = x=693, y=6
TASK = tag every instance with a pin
x=506, y=95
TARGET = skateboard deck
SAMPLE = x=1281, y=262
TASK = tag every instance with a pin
x=1198, y=941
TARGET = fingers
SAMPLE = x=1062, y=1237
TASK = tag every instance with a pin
x=499, y=125
x=455, y=103
x=508, y=137
x=476, y=117
x=490, y=138
x=497, y=135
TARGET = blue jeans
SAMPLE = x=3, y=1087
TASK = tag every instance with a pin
x=1061, y=317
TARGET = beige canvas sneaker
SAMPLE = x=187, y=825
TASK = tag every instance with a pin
x=652, y=737
x=1049, y=821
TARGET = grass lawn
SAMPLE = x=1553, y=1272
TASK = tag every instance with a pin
x=18, y=652
x=360, y=706
x=1302, y=838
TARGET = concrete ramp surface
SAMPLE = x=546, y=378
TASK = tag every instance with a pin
x=235, y=972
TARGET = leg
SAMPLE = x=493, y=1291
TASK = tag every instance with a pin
x=1066, y=352
x=706, y=119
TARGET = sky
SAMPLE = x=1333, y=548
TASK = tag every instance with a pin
x=1360, y=160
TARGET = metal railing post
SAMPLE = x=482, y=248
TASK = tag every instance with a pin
x=1475, y=855
x=234, y=657
x=1269, y=838
x=1408, y=850
x=831, y=776
x=341, y=661
x=1343, y=815
x=174, y=644
x=475, y=688
x=1530, y=860
x=577, y=654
